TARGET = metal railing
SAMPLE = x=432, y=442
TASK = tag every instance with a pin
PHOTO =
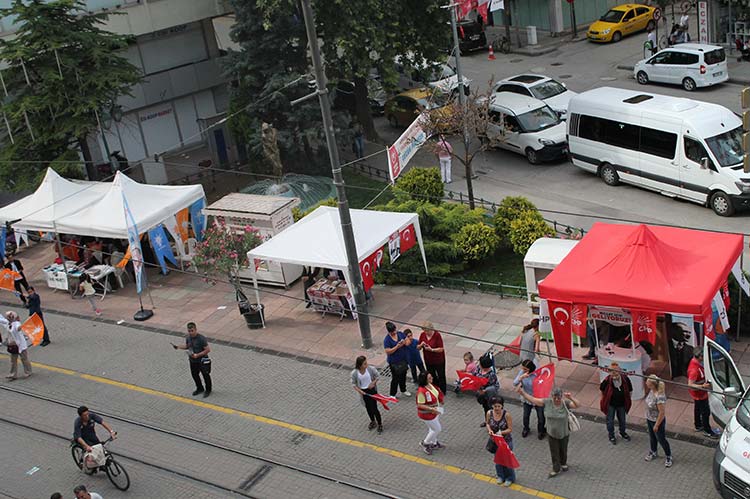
x=465, y=285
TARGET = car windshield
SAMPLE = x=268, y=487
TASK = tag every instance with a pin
x=547, y=89
x=613, y=16
x=436, y=100
x=442, y=72
x=727, y=147
x=538, y=119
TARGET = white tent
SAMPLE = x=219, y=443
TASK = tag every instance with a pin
x=317, y=239
x=55, y=198
x=149, y=204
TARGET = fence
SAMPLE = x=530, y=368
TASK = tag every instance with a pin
x=465, y=285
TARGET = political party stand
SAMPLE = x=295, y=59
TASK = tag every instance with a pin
x=662, y=285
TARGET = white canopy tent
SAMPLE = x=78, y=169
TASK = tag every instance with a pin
x=317, y=239
x=149, y=204
x=56, y=197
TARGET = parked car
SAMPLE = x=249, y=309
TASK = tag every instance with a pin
x=343, y=97
x=471, y=36
x=552, y=92
x=442, y=76
x=402, y=109
x=526, y=126
x=620, y=21
x=689, y=64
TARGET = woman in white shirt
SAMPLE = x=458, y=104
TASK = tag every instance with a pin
x=365, y=382
x=17, y=345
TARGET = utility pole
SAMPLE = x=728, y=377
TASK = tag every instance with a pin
x=462, y=103
x=338, y=179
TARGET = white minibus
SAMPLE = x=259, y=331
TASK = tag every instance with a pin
x=681, y=148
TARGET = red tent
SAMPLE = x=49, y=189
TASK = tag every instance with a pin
x=657, y=269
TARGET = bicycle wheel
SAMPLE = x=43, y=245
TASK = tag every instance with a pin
x=77, y=452
x=117, y=474
x=663, y=42
x=502, y=45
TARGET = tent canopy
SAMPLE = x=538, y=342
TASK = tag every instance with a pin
x=657, y=269
x=55, y=198
x=317, y=239
x=149, y=204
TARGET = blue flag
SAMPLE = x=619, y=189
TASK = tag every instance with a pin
x=198, y=218
x=136, y=255
x=161, y=247
x=3, y=235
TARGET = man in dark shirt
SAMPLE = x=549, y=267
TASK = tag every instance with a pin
x=84, y=431
x=616, y=401
x=198, y=349
x=35, y=307
x=15, y=266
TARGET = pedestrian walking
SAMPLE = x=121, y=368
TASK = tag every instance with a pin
x=656, y=419
x=81, y=493
x=431, y=344
x=444, y=154
x=17, y=345
x=698, y=386
x=490, y=390
x=198, y=350
x=651, y=41
x=469, y=367
x=616, y=401
x=414, y=358
x=429, y=408
x=525, y=378
x=86, y=287
x=394, y=345
x=556, y=411
x=20, y=280
x=530, y=341
x=365, y=381
x=35, y=307
x=359, y=139
x=499, y=422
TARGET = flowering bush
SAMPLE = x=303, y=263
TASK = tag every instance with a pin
x=223, y=251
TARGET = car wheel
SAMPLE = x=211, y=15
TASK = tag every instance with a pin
x=642, y=77
x=616, y=37
x=609, y=174
x=688, y=84
x=651, y=25
x=393, y=121
x=532, y=156
x=721, y=204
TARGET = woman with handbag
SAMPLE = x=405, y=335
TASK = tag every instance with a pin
x=429, y=408
x=560, y=422
x=499, y=422
x=395, y=348
x=17, y=345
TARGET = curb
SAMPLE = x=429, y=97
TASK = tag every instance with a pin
x=735, y=81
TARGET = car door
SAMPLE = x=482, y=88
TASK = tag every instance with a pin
x=659, y=66
x=727, y=386
x=629, y=22
x=512, y=138
x=694, y=179
x=407, y=111
x=642, y=17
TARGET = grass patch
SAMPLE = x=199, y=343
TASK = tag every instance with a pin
x=360, y=189
x=505, y=267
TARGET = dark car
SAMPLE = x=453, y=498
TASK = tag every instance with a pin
x=471, y=36
x=343, y=97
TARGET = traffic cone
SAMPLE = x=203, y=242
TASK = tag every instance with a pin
x=491, y=57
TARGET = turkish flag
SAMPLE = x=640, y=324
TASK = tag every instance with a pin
x=464, y=7
x=482, y=9
x=366, y=267
x=725, y=294
x=7, y=279
x=470, y=383
x=560, y=315
x=578, y=319
x=408, y=238
x=34, y=329
x=708, y=324
x=384, y=400
x=504, y=456
x=644, y=326
x=515, y=346
x=544, y=381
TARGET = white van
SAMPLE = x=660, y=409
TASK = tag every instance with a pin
x=730, y=407
x=527, y=126
x=678, y=147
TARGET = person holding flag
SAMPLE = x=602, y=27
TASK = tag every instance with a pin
x=500, y=423
x=35, y=307
x=525, y=378
x=490, y=388
x=17, y=345
x=365, y=382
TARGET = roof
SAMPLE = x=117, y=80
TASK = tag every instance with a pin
x=526, y=79
x=548, y=252
x=416, y=93
x=628, y=6
x=610, y=96
x=698, y=47
x=517, y=103
x=237, y=203
x=658, y=269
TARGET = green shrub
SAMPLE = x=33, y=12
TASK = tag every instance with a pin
x=421, y=184
x=510, y=208
x=527, y=228
x=299, y=214
x=476, y=241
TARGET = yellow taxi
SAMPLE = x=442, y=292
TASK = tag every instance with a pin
x=620, y=21
x=402, y=109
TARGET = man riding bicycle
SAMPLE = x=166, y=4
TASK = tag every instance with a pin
x=84, y=432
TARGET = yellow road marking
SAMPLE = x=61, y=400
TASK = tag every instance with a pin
x=293, y=427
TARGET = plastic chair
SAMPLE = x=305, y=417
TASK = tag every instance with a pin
x=188, y=257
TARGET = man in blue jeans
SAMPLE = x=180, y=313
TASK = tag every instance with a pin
x=616, y=389
x=395, y=347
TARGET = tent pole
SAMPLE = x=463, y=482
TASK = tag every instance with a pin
x=62, y=257
x=257, y=299
x=739, y=305
x=596, y=338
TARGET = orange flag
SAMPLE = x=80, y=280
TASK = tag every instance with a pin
x=182, y=223
x=7, y=279
x=34, y=329
x=125, y=259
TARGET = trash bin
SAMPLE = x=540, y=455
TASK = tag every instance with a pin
x=531, y=35
x=253, y=314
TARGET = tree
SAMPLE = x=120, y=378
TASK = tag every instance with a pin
x=63, y=67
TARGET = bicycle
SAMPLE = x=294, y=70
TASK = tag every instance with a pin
x=114, y=470
x=501, y=43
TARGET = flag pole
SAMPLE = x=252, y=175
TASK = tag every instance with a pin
x=62, y=257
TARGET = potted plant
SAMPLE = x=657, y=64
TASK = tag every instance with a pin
x=223, y=252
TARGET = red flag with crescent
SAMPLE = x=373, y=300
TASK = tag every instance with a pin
x=514, y=346
x=708, y=324
x=544, y=381
x=644, y=326
x=725, y=294
x=470, y=383
x=34, y=329
x=368, y=266
x=578, y=319
x=503, y=455
x=8, y=279
x=384, y=400
x=560, y=318
x=408, y=238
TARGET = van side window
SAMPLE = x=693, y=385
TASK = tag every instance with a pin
x=694, y=150
x=591, y=128
x=511, y=124
x=658, y=143
x=620, y=134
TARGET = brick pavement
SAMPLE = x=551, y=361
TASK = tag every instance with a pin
x=297, y=331
x=321, y=398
